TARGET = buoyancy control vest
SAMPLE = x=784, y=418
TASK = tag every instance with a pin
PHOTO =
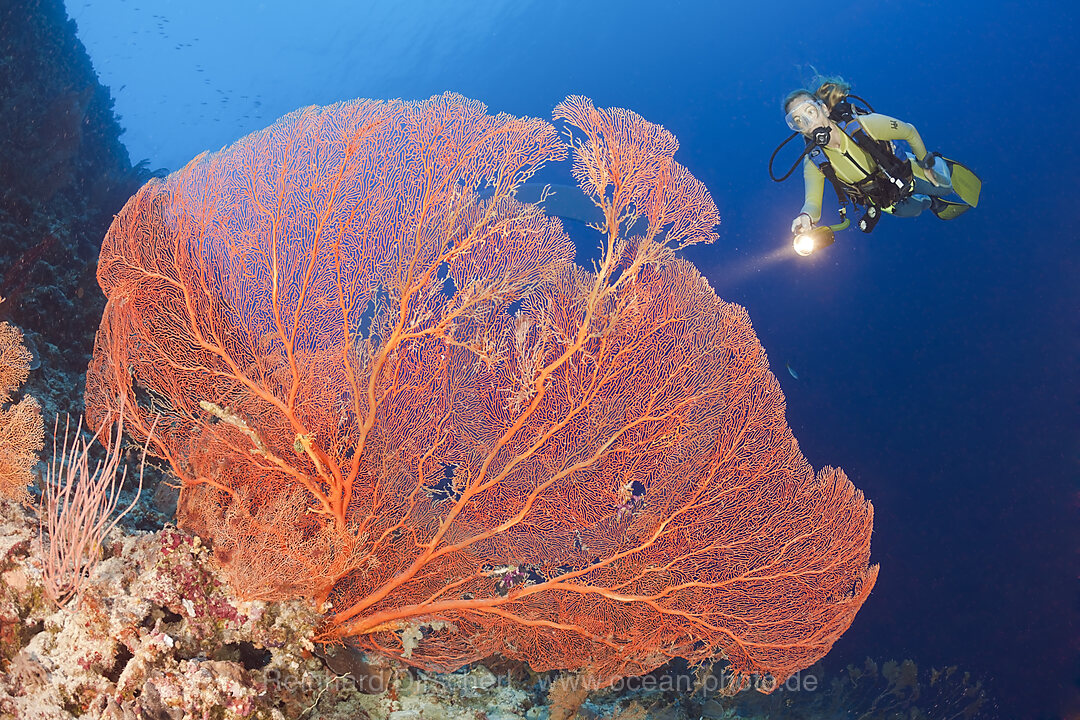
x=881, y=187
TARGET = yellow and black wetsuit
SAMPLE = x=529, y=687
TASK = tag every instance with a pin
x=852, y=163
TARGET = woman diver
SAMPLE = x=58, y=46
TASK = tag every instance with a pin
x=852, y=148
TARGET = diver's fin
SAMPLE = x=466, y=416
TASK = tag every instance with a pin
x=947, y=210
x=965, y=183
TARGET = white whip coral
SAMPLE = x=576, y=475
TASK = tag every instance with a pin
x=75, y=508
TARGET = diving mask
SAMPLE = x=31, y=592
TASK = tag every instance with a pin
x=806, y=116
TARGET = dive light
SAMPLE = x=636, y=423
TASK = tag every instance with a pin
x=818, y=237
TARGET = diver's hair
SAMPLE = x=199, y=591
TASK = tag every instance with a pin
x=831, y=89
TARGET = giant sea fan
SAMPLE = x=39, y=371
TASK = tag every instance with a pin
x=383, y=392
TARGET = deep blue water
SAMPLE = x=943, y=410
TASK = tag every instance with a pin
x=937, y=361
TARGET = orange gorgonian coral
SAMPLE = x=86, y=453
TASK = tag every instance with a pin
x=22, y=433
x=384, y=392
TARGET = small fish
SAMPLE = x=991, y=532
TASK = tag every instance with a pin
x=791, y=370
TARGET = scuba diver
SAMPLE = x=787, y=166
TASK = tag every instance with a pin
x=852, y=148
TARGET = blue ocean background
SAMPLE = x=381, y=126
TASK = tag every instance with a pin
x=936, y=361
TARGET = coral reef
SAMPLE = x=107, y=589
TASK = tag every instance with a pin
x=154, y=632
x=161, y=635
x=158, y=634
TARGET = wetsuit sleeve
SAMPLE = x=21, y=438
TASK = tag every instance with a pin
x=814, y=182
x=883, y=127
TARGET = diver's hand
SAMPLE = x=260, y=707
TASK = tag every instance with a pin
x=801, y=224
x=927, y=164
